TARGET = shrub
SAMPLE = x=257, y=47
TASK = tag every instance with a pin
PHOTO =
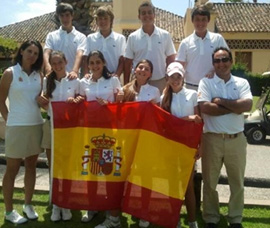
x=256, y=81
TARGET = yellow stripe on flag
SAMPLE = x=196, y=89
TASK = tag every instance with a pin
x=69, y=149
x=167, y=158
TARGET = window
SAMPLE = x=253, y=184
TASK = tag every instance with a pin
x=244, y=58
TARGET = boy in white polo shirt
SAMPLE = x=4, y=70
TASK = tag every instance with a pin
x=111, y=44
x=195, y=51
x=66, y=39
x=152, y=43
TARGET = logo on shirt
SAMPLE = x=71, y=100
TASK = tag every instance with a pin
x=103, y=159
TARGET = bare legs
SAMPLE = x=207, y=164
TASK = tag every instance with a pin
x=12, y=168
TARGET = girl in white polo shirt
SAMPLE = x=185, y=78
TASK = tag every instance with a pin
x=182, y=102
x=57, y=87
x=100, y=87
x=139, y=89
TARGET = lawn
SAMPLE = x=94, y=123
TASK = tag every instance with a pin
x=254, y=216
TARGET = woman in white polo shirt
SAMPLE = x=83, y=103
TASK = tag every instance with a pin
x=139, y=89
x=21, y=84
x=182, y=102
x=57, y=87
x=100, y=87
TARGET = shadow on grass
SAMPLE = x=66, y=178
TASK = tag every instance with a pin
x=254, y=216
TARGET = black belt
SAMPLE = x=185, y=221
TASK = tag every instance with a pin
x=191, y=84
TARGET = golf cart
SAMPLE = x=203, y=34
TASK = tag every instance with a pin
x=257, y=123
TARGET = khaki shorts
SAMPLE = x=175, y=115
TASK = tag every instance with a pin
x=23, y=141
x=46, y=138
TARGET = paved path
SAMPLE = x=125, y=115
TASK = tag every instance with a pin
x=258, y=166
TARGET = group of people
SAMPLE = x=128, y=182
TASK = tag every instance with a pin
x=194, y=84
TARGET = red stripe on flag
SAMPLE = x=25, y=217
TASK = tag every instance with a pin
x=151, y=206
x=87, y=195
x=130, y=115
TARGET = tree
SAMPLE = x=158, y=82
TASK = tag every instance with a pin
x=7, y=47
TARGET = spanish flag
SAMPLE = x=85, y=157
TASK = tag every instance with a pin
x=132, y=156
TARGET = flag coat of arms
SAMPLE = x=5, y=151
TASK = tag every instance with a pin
x=134, y=157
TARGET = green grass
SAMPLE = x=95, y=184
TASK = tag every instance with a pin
x=254, y=216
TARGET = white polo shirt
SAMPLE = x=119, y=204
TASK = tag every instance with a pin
x=155, y=48
x=112, y=47
x=68, y=43
x=183, y=102
x=197, y=54
x=64, y=89
x=22, y=94
x=235, y=88
x=148, y=93
x=103, y=88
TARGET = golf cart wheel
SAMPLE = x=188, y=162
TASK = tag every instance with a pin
x=256, y=135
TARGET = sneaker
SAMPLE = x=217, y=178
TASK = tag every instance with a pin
x=55, y=214
x=15, y=218
x=110, y=222
x=66, y=214
x=193, y=224
x=211, y=225
x=30, y=212
x=235, y=225
x=88, y=216
x=143, y=223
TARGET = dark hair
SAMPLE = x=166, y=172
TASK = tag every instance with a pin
x=64, y=7
x=146, y=3
x=146, y=61
x=200, y=10
x=102, y=11
x=130, y=88
x=223, y=49
x=50, y=86
x=18, y=56
x=105, y=73
x=167, y=98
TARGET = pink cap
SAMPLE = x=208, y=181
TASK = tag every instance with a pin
x=175, y=67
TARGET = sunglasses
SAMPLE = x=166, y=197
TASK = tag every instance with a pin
x=224, y=60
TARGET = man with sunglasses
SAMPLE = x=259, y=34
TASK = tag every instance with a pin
x=223, y=99
x=195, y=51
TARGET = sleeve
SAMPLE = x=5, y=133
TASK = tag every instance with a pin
x=222, y=42
x=244, y=92
x=204, y=93
x=170, y=49
x=129, y=50
x=82, y=87
x=49, y=42
x=77, y=87
x=116, y=84
x=123, y=45
x=157, y=95
x=87, y=46
x=195, y=99
x=82, y=43
x=181, y=54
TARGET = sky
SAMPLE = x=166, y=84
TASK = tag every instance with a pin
x=20, y=10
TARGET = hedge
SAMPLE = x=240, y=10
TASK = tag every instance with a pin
x=256, y=81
